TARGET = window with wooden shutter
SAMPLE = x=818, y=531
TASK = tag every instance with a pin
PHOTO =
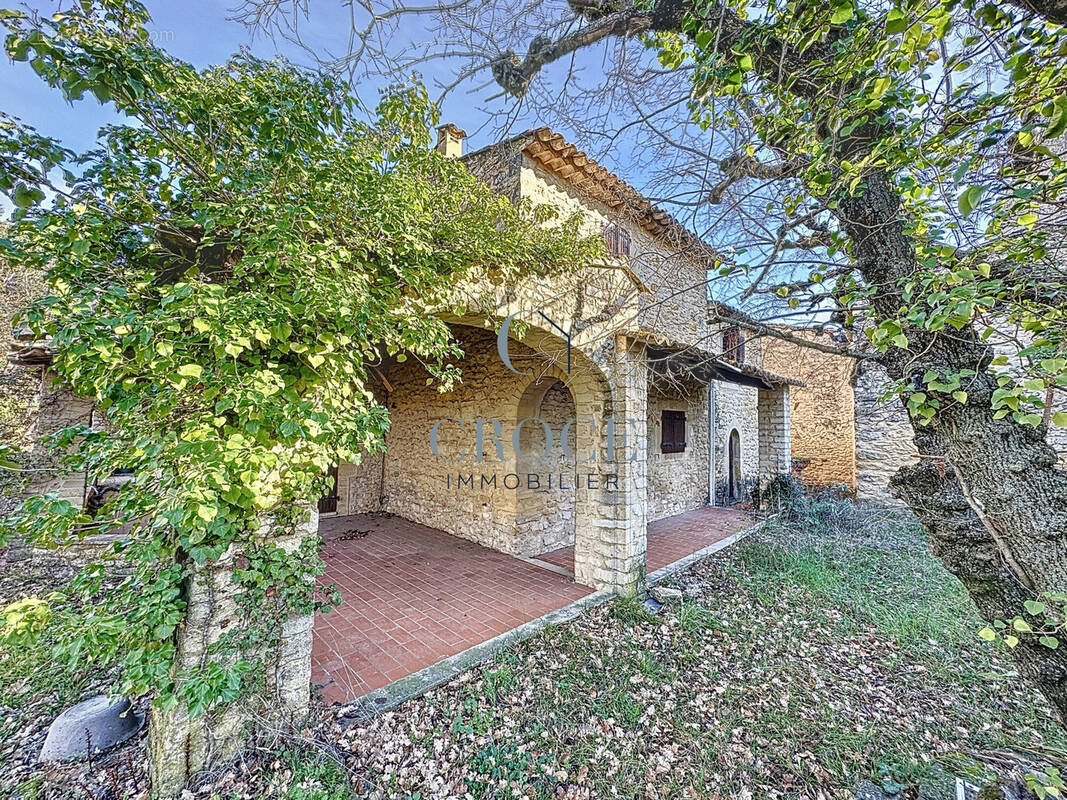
x=328, y=504
x=610, y=234
x=672, y=426
x=616, y=240
x=733, y=345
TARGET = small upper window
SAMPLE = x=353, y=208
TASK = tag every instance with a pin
x=616, y=240
x=672, y=439
x=733, y=345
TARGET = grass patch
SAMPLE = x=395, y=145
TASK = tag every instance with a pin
x=311, y=774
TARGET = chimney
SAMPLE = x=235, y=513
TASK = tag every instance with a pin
x=450, y=140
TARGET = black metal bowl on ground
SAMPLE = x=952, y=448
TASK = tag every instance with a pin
x=91, y=726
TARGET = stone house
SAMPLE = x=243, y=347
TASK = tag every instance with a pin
x=621, y=404
x=592, y=405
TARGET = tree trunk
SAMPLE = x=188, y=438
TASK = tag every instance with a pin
x=180, y=746
x=1004, y=471
x=969, y=551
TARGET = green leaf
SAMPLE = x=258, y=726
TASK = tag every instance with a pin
x=970, y=198
x=896, y=22
x=190, y=370
x=1034, y=607
x=25, y=196
x=880, y=86
x=1058, y=120
x=1059, y=418
x=842, y=13
x=988, y=634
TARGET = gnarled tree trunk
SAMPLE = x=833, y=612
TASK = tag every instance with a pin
x=969, y=551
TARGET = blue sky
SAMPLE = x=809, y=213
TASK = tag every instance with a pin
x=199, y=31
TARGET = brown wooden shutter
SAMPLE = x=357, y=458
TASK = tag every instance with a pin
x=328, y=504
x=616, y=240
x=733, y=345
x=611, y=238
x=672, y=424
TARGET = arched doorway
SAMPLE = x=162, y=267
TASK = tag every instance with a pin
x=734, y=463
x=545, y=508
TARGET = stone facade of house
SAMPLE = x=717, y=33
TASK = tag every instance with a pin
x=536, y=501
x=677, y=482
x=823, y=410
x=476, y=461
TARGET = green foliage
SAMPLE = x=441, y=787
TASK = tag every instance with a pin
x=630, y=611
x=314, y=776
x=24, y=619
x=1048, y=783
x=958, y=104
x=1044, y=619
x=220, y=271
x=18, y=387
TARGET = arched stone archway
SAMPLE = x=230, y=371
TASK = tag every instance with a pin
x=609, y=386
x=474, y=486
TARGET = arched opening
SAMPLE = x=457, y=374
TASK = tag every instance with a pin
x=734, y=466
x=545, y=504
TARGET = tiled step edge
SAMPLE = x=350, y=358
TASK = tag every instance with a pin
x=417, y=683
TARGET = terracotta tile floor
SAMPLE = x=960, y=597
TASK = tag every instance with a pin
x=413, y=596
x=676, y=537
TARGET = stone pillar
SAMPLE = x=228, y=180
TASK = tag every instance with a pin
x=609, y=541
x=180, y=746
x=775, y=451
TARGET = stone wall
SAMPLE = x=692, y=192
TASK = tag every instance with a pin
x=736, y=408
x=423, y=489
x=675, y=302
x=58, y=410
x=678, y=482
x=883, y=435
x=822, y=411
